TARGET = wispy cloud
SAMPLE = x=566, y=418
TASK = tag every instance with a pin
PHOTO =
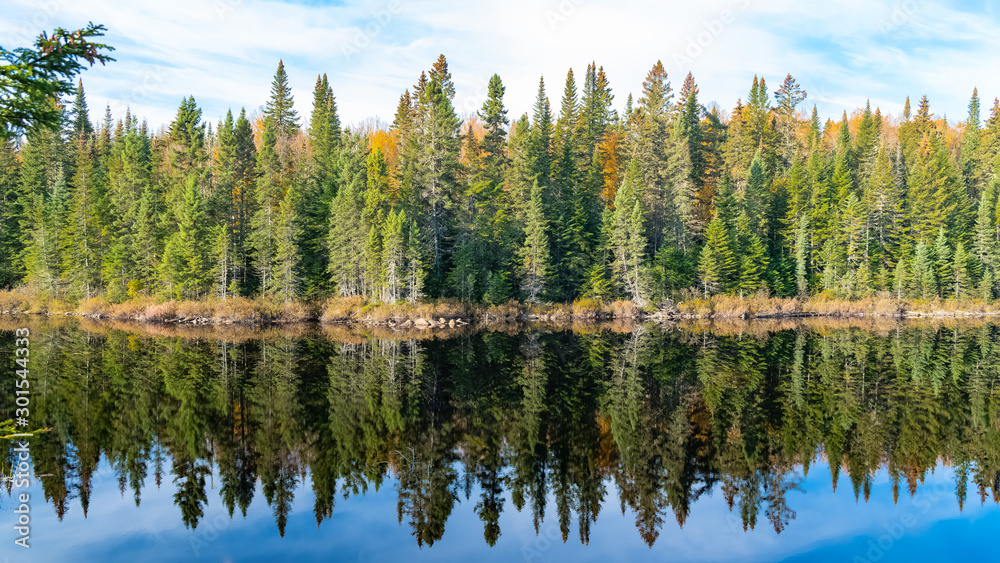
x=224, y=52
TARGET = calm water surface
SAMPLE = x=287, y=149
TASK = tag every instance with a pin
x=824, y=442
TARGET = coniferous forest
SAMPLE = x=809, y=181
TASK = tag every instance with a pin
x=662, y=198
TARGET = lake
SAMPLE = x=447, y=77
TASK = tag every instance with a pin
x=819, y=441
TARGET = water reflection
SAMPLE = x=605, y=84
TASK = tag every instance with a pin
x=507, y=420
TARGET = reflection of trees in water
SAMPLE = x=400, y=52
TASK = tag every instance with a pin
x=488, y=418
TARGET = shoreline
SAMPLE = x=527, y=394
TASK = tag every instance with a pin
x=452, y=314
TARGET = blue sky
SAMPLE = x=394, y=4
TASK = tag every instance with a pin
x=224, y=52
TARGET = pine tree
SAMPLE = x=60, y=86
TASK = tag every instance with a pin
x=394, y=256
x=944, y=264
x=901, y=278
x=802, y=256
x=81, y=127
x=535, y=250
x=540, y=144
x=188, y=134
x=987, y=250
x=753, y=265
x=756, y=197
x=717, y=268
x=884, y=203
x=971, y=142
x=935, y=192
x=987, y=287
x=82, y=241
x=925, y=271
x=280, y=109
x=184, y=269
x=436, y=169
x=10, y=244
x=263, y=236
x=285, y=279
x=961, y=272
x=347, y=232
x=651, y=150
x=627, y=240
x=439, y=71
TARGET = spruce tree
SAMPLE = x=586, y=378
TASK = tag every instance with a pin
x=717, y=268
x=753, y=266
x=263, y=235
x=436, y=169
x=10, y=244
x=280, y=108
x=944, y=264
x=802, y=256
x=962, y=272
x=80, y=125
x=535, y=249
x=626, y=240
x=184, y=269
x=394, y=257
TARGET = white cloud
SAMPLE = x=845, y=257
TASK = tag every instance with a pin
x=224, y=51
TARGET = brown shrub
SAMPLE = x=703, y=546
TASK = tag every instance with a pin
x=624, y=309
x=341, y=308
x=96, y=306
x=297, y=312
x=15, y=301
x=195, y=309
x=158, y=313
x=587, y=309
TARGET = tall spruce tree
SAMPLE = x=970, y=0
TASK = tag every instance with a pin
x=280, y=108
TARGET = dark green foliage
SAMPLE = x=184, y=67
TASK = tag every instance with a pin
x=666, y=199
x=280, y=108
x=32, y=79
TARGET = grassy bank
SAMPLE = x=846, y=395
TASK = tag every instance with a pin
x=452, y=312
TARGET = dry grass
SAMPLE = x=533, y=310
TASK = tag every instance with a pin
x=341, y=308
x=194, y=309
x=239, y=310
x=625, y=309
x=297, y=312
x=511, y=310
x=159, y=313
x=16, y=301
x=588, y=309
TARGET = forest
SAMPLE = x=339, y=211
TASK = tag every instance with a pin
x=666, y=199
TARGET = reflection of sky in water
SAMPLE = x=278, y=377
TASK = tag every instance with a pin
x=828, y=527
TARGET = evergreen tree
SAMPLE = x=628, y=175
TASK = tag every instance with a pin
x=264, y=224
x=935, y=192
x=753, y=265
x=944, y=264
x=10, y=244
x=394, y=256
x=925, y=271
x=540, y=144
x=717, y=268
x=626, y=241
x=802, y=256
x=184, y=269
x=82, y=237
x=280, y=108
x=436, y=169
x=80, y=125
x=962, y=272
x=535, y=250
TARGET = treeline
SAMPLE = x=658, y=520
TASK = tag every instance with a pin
x=554, y=424
x=667, y=199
